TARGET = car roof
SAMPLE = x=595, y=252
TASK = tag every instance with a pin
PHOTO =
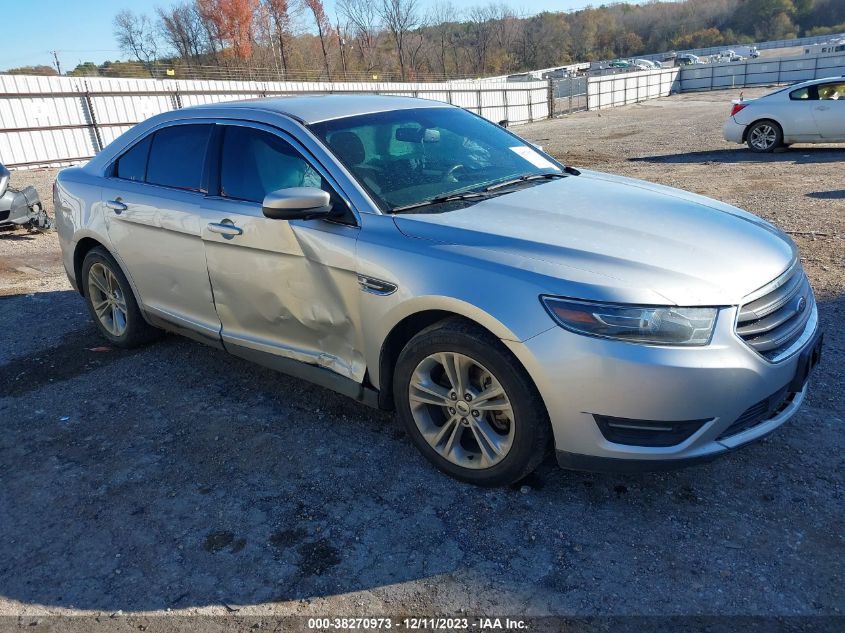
x=812, y=82
x=798, y=86
x=316, y=108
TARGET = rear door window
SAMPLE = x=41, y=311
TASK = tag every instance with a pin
x=177, y=156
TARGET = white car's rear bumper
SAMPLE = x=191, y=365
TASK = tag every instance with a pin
x=733, y=131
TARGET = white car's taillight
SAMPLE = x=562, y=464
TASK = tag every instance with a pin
x=737, y=107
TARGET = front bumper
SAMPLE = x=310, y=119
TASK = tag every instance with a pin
x=580, y=377
x=23, y=208
x=733, y=131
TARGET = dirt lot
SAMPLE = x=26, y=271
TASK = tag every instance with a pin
x=175, y=477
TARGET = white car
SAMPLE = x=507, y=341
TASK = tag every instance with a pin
x=808, y=112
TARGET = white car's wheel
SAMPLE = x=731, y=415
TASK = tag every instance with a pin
x=764, y=136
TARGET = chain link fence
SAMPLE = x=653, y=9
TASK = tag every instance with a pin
x=568, y=95
x=233, y=71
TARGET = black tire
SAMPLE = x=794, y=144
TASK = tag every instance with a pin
x=137, y=331
x=764, y=129
x=532, y=430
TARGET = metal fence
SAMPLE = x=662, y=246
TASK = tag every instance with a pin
x=761, y=72
x=66, y=120
x=609, y=91
x=569, y=94
x=713, y=50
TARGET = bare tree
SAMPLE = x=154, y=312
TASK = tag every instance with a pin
x=182, y=29
x=480, y=31
x=400, y=17
x=364, y=20
x=136, y=36
x=443, y=17
x=324, y=29
x=505, y=30
x=280, y=14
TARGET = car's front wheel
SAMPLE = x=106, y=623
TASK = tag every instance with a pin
x=111, y=302
x=469, y=406
x=764, y=136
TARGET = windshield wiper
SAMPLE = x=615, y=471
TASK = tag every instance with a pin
x=526, y=178
x=487, y=191
x=467, y=195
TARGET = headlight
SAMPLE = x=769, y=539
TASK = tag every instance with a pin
x=638, y=324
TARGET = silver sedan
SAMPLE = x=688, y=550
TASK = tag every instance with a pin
x=417, y=257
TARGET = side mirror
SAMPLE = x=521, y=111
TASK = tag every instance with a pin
x=297, y=203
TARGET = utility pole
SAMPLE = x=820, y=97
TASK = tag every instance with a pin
x=56, y=61
x=341, y=42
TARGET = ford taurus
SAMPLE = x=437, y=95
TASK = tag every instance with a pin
x=416, y=257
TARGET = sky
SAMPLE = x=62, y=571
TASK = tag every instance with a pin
x=81, y=30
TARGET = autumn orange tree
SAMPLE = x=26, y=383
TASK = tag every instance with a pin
x=415, y=39
x=232, y=23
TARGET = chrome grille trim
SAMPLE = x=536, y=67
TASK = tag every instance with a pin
x=776, y=320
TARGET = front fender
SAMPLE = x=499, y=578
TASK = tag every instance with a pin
x=436, y=277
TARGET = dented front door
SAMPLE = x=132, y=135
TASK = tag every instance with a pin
x=286, y=288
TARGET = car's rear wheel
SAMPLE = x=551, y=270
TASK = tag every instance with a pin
x=468, y=405
x=764, y=136
x=111, y=302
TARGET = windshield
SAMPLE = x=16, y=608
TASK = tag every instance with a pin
x=406, y=157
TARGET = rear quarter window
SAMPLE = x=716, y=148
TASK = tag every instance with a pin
x=801, y=94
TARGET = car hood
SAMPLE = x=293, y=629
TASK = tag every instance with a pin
x=613, y=237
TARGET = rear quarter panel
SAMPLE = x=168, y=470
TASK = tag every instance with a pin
x=77, y=203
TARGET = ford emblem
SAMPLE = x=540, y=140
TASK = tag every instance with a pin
x=802, y=303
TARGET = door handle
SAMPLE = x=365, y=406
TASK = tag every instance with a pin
x=116, y=205
x=822, y=108
x=229, y=230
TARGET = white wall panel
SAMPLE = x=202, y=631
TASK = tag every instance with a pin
x=56, y=120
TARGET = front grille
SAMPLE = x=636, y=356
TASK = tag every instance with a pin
x=758, y=413
x=770, y=323
x=4, y=215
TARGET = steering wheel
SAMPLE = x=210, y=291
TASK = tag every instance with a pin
x=449, y=176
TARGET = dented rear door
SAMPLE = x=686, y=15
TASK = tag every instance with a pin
x=283, y=288
x=154, y=219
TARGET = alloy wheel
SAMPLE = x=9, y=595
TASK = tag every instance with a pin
x=763, y=137
x=462, y=410
x=107, y=299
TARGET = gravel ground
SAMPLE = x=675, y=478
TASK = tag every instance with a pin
x=176, y=477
